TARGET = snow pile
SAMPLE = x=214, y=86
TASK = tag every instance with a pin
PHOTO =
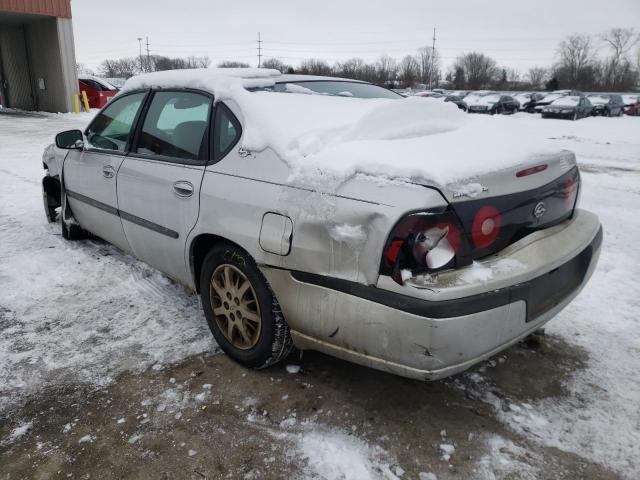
x=335, y=455
x=326, y=140
x=17, y=433
x=505, y=460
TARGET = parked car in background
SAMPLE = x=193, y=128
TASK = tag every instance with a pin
x=99, y=91
x=550, y=97
x=459, y=93
x=167, y=172
x=631, y=105
x=429, y=94
x=527, y=100
x=606, y=105
x=457, y=100
x=492, y=103
x=571, y=107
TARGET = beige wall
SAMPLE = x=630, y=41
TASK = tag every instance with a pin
x=41, y=49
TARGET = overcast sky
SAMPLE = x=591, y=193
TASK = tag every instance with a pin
x=517, y=34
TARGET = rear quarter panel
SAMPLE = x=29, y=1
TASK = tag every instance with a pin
x=339, y=233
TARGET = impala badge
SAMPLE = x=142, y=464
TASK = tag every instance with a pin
x=539, y=210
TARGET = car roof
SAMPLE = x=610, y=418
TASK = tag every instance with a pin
x=291, y=77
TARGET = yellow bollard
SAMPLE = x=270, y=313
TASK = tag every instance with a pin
x=85, y=100
x=76, y=103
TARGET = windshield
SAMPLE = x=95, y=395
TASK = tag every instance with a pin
x=335, y=88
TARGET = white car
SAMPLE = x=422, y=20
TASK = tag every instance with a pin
x=329, y=214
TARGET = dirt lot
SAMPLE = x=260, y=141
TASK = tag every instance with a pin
x=253, y=424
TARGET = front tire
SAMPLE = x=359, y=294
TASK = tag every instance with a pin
x=72, y=231
x=242, y=312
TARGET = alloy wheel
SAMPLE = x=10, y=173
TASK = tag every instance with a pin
x=235, y=305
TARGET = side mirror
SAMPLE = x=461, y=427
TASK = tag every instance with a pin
x=70, y=140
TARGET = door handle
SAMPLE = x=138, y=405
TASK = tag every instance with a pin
x=182, y=188
x=108, y=171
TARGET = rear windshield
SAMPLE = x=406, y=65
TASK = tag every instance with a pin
x=335, y=88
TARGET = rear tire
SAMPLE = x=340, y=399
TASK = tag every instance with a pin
x=242, y=311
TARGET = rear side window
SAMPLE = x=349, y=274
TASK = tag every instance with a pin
x=175, y=125
x=111, y=128
x=226, y=131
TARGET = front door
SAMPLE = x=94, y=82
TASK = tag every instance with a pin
x=159, y=181
x=90, y=175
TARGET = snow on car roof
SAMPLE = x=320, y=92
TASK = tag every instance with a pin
x=566, y=101
x=599, y=99
x=328, y=139
x=102, y=81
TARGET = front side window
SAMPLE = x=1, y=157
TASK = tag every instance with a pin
x=111, y=128
x=226, y=131
x=175, y=125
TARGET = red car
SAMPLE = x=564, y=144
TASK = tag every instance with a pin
x=631, y=105
x=99, y=91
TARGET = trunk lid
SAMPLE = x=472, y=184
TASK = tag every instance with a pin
x=499, y=208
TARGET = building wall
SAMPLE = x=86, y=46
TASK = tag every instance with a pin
x=51, y=56
x=38, y=64
x=15, y=68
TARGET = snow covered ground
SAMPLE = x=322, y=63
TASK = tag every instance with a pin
x=84, y=312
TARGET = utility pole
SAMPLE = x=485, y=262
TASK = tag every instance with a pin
x=433, y=54
x=140, y=45
x=259, y=51
x=148, y=57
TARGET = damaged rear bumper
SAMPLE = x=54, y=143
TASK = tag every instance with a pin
x=432, y=330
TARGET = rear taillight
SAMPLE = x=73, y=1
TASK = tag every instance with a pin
x=570, y=191
x=486, y=226
x=422, y=242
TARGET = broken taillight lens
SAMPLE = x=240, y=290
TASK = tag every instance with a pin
x=422, y=242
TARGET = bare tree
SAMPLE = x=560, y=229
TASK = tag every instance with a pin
x=408, y=71
x=120, y=68
x=386, y=69
x=233, y=64
x=82, y=68
x=616, y=69
x=314, y=66
x=275, y=64
x=351, y=68
x=428, y=62
x=576, y=58
x=478, y=70
x=537, y=76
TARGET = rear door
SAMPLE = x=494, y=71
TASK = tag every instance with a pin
x=159, y=181
x=90, y=175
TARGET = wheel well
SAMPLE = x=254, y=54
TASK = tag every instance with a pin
x=200, y=246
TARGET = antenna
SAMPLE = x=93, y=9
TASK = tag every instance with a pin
x=259, y=50
x=433, y=54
